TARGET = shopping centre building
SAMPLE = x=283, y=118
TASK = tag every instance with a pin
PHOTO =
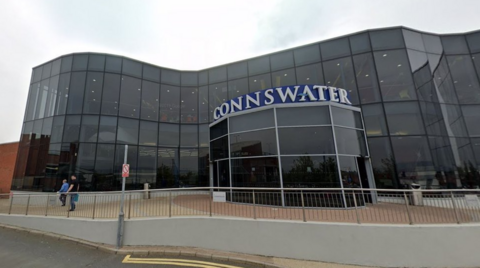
x=380, y=108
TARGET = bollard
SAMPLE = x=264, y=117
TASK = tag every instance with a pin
x=356, y=208
x=408, y=209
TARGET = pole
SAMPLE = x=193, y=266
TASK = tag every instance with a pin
x=121, y=215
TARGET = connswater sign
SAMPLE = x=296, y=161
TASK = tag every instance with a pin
x=287, y=94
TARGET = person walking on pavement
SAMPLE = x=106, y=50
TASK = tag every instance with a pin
x=73, y=192
x=63, y=192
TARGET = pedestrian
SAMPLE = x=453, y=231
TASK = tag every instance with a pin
x=73, y=192
x=63, y=192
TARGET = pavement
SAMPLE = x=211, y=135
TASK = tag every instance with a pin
x=21, y=247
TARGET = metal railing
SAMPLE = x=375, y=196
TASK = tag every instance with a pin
x=384, y=206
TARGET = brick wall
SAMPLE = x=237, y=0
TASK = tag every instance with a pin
x=8, y=155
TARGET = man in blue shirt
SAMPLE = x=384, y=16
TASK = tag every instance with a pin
x=63, y=191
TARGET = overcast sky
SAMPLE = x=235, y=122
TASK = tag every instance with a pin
x=191, y=35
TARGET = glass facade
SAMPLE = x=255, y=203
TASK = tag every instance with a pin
x=419, y=94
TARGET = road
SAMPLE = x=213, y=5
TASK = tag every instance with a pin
x=23, y=249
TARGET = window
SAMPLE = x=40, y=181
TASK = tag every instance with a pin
x=41, y=99
x=86, y=158
x=168, y=135
x=306, y=55
x=366, y=78
x=132, y=68
x=237, y=88
x=346, y=118
x=104, y=162
x=188, y=167
x=189, y=135
x=360, y=43
x=350, y=141
x=374, y=120
x=413, y=40
x=72, y=128
x=256, y=120
x=203, y=78
x=167, y=167
x=150, y=100
x=189, y=79
x=259, y=82
x=79, y=62
x=75, y=96
x=284, y=78
x=56, y=67
x=471, y=114
x=413, y=159
x=310, y=171
x=404, y=118
x=52, y=96
x=113, y=64
x=455, y=44
x=47, y=68
x=218, y=94
x=473, y=42
x=335, y=48
x=189, y=105
x=387, y=39
x=93, y=93
x=281, y=60
x=306, y=140
x=89, y=129
x=464, y=79
x=130, y=97
x=107, y=131
x=147, y=163
x=218, y=74
x=432, y=43
x=203, y=135
x=302, y=116
x=203, y=105
x=111, y=93
x=66, y=64
x=339, y=73
x=170, y=77
x=127, y=131
x=96, y=63
x=57, y=129
x=258, y=66
x=237, y=70
x=148, y=133
x=151, y=73
x=310, y=74
x=254, y=143
x=169, y=104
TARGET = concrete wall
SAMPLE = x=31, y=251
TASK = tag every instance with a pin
x=365, y=244
x=8, y=155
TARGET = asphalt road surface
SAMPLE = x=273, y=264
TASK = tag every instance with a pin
x=23, y=249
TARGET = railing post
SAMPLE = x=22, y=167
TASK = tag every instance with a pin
x=455, y=208
x=11, y=203
x=170, y=204
x=46, y=207
x=356, y=208
x=28, y=205
x=211, y=202
x=94, y=206
x=408, y=209
x=303, y=206
x=254, y=209
x=69, y=200
x=129, y=204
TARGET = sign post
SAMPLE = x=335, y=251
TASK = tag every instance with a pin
x=121, y=215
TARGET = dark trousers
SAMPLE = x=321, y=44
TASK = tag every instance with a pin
x=63, y=198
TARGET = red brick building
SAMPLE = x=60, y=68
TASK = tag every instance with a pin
x=8, y=155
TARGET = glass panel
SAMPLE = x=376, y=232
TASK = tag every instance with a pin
x=310, y=172
x=52, y=96
x=47, y=69
x=259, y=65
x=219, y=130
x=89, y=129
x=189, y=105
x=130, y=97
x=471, y=114
x=219, y=148
x=237, y=88
x=476, y=149
x=167, y=169
x=37, y=74
x=79, y=62
x=127, y=131
x=169, y=104
x=32, y=102
x=204, y=135
x=96, y=62
x=256, y=120
x=454, y=121
x=170, y=77
x=203, y=105
x=339, y=73
x=111, y=93
x=306, y=140
x=57, y=129
x=104, y=167
x=366, y=78
x=188, y=168
x=151, y=73
x=306, y=55
x=302, y=116
x=432, y=43
x=350, y=141
x=217, y=96
x=237, y=70
x=473, y=42
x=47, y=128
x=189, y=136
x=218, y=74
x=284, y=78
x=394, y=74
x=347, y=118
x=281, y=60
x=168, y=135
x=147, y=163
x=150, y=102
x=41, y=99
x=189, y=78
x=107, y=130
x=259, y=82
x=66, y=64
x=465, y=79
x=37, y=130
x=383, y=164
x=113, y=64
x=413, y=40
x=455, y=44
x=360, y=43
x=93, y=93
x=400, y=113
x=75, y=95
x=132, y=68
x=310, y=74
x=374, y=120
x=86, y=158
x=148, y=133
x=255, y=143
x=203, y=78
x=254, y=172
x=349, y=172
x=131, y=160
x=72, y=128
x=387, y=39
x=335, y=49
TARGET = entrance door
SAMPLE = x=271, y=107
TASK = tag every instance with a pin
x=221, y=171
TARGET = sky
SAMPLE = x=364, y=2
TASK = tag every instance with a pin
x=191, y=34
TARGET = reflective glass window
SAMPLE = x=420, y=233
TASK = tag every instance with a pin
x=284, y=78
x=404, y=118
x=347, y=118
x=47, y=69
x=253, y=172
x=259, y=65
x=57, y=129
x=170, y=77
x=218, y=74
x=413, y=40
x=360, y=43
x=471, y=114
x=374, y=120
x=113, y=64
x=56, y=67
x=203, y=135
x=75, y=95
x=349, y=172
x=281, y=60
x=366, y=78
x=454, y=120
x=169, y=104
x=335, y=48
x=259, y=82
x=93, y=93
x=168, y=135
x=41, y=99
x=130, y=97
x=96, y=62
x=47, y=128
x=476, y=62
x=37, y=74
x=462, y=147
x=79, y=62
x=237, y=70
x=306, y=140
x=219, y=129
x=189, y=78
x=86, y=158
x=89, y=129
x=148, y=133
x=219, y=148
x=339, y=73
x=473, y=42
x=189, y=105
x=476, y=148
x=151, y=73
x=203, y=78
x=111, y=93
x=72, y=128
x=52, y=96
x=350, y=141
x=146, y=169
x=218, y=94
x=396, y=82
x=310, y=74
x=107, y=131
x=432, y=43
x=37, y=130
x=255, y=120
x=237, y=88
x=306, y=55
x=167, y=167
x=465, y=79
x=32, y=102
x=189, y=135
x=132, y=68
x=383, y=164
x=310, y=171
x=303, y=116
x=66, y=64
x=127, y=131
x=150, y=100
x=203, y=105
x=455, y=44
x=387, y=39
x=104, y=163
x=254, y=143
